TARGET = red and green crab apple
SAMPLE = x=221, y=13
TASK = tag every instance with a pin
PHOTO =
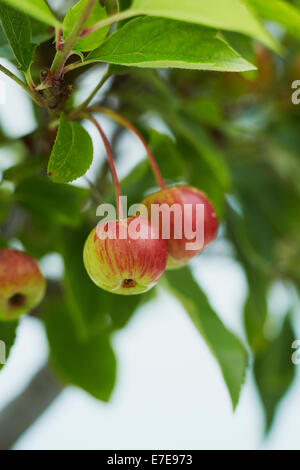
x=22, y=285
x=179, y=252
x=121, y=262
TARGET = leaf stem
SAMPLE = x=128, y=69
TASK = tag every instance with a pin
x=29, y=80
x=62, y=55
x=121, y=120
x=28, y=90
x=110, y=161
x=73, y=66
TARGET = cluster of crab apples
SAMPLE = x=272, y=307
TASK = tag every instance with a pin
x=118, y=259
x=120, y=262
x=121, y=265
x=126, y=264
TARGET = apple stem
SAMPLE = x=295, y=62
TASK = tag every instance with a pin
x=116, y=117
x=111, y=162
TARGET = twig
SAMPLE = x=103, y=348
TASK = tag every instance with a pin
x=28, y=90
x=95, y=91
x=76, y=65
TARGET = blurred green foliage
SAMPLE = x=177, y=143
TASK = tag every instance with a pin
x=235, y=136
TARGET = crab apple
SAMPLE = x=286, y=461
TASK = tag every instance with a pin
x=196, y=219
x=126, y=256
x=22, y=285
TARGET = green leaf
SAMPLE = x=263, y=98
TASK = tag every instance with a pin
x=225, y=346
x=205, y=110
x=88, y=363
x=232, y=15
x=281, y=12
x=171, y=162
x=206, y=165
x=114, y=69
x=59, y=204
x=246, y=48
x=241, y=230
x=72, y=153
x=31, y=166
x=5, y=49
x=93, y=40
x=159, y=42
x=17, y=29
x=256, y=309
x=7, y=336
x=39, y=237
x=3, y=241
x=206, y=146
x=40, y=31
x=123, y=5
x=242, y=44
x=38, y=9
x=274, y=371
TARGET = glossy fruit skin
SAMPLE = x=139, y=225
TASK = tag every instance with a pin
x=179, y=255
x=125, y=266
x=22, y=285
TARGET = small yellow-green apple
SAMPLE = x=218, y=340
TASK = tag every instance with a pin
x=125, y=256
x=22, y=285
x=193, y=212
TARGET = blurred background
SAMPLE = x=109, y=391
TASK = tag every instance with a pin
x=170, y=393
x=238, y=139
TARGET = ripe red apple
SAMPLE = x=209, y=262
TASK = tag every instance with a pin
x=22, y=285
x=203, y=224
x=121, y=263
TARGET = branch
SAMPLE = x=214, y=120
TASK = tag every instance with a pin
x=28, y=90
x=26, y=408
x=95, y=91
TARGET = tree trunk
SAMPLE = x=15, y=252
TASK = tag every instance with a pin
x=23, y=411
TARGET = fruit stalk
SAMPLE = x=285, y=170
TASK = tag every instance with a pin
x=116, y=117
x=111, y=163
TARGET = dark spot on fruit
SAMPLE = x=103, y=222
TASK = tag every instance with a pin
x=128, y=283
x=17, y=300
